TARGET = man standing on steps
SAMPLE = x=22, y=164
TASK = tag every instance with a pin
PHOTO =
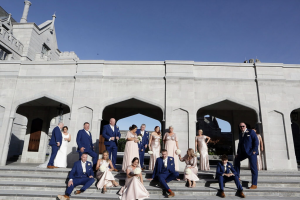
x=81, y=174
x=111, y=135
x=164, y=171
x=55, y=142
x=142, y=144
x=247, y=149
x=85, y=143
x=224, y=173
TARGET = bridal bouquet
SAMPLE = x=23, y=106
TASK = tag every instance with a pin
x=150, y=152
x=102, y=168
x=140, y=138
x=178, y=151
x=188, y=171
x=137, y=171
x=198, y=154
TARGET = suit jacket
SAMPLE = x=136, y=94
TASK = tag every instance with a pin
x=84, y=140
x=220, y=169
x=77, y=171
x=145, y=140
x=249, y=142
x=56, y=137
x=107, y=133
x=159, y=166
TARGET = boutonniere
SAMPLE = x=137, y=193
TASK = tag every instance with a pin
x=229, y=166
x=117, y=126
x=247, y=131
x=89, y=163
x=171, y=158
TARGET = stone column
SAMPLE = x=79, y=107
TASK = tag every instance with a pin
x=25, y=12
x=7, y=141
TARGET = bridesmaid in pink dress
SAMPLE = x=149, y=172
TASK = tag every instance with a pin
x=133, y=188
x=105, y=179
x=260, y=149
x=190, y=160
x=154, y=146
x=131, y=148
x=201, y=142
x=171, y=144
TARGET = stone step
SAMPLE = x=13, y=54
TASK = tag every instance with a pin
x=38, y=195
x=202, y=182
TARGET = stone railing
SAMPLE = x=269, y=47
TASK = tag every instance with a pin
x=8, y=39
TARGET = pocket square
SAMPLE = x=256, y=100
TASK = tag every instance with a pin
x=248, y=135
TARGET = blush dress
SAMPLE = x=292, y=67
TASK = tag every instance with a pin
x=106, y=177
x=203, y=150
x=171, y=147
x=133, y=188
x=155, y=147
x=131, y=151
x=193, y=164
x=259, y=160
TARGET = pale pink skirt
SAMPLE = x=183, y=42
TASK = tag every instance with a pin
x=133, y=189
x=193, y=176
x=105, y=179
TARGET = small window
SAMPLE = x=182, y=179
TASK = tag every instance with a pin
x=45, y=50
x=3, y=54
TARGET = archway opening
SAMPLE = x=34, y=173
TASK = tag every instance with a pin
x=295, y=123
x=131, y=107
x=32, y=129
x=231, y=112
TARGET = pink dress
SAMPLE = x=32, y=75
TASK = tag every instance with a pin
x=259, y=160
x=131, y=151
x=155, y=147
x=171, y=147
x=193, y=164
x=106, y=176
x=202, y=148
x=133, y=188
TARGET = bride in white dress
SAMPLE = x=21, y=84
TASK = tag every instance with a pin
x=61, y=156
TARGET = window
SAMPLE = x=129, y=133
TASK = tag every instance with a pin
x=45, y=50
x=3, y=54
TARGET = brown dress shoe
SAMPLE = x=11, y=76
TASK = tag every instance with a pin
x=77, y=192
x=253, y=187
x=63, y=197
x=55, y=167
x=116, y=170
x=222, y=194
x=50, y=167
x=241, y=194
x=171, y=194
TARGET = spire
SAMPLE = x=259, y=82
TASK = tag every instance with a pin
x=53, y=20
x=25, y=12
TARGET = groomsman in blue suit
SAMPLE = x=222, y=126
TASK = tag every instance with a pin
x=224, y=173
x=247, y=149
x=81, y=174
x=85, y=143
x=164, y=171
x=111, y=135
x=55, y=142
x=143, y=144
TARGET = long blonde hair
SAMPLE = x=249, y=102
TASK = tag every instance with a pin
x=191, y=153
x=107, y=155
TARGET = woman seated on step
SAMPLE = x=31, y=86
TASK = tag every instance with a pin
x=133, y=188
x=104, y=175
x=191, y=169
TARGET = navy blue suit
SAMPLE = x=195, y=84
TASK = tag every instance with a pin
x=141, y=145
x=164, y=174
x=247, y=145
x=56, y=137
x=223, y=179
x=111, y=145
x=80, y=178
x=85, y=140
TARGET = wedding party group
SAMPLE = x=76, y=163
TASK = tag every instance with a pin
x=164, y=162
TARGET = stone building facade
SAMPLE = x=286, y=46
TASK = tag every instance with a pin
x=40, y=86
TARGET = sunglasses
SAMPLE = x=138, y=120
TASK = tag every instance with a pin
x=242, y=126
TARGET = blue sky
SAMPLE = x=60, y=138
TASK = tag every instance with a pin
x=199, y=30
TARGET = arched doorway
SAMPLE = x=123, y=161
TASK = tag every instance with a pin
x=233, y=113
x=32, y=129
x=128, y=108
x=295, y=114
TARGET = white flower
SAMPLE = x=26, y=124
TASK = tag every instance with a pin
x=137, y=170
x=198, y=154
x=150, y=152
x=188, y=171
x=102, y=168
x=178, y=151
x=140, y=138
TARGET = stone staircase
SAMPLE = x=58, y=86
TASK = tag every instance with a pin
x=28, y=182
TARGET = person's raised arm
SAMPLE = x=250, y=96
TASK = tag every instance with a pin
x=208, y=139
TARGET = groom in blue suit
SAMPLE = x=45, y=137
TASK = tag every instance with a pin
x=142, y=144
x=111, y=136
x=81, y=174
x=164, y=171
x=247, y=149
x=85, y=143
x=55, y=142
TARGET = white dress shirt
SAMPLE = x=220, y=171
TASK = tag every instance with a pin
x=166, y=162
x=244, y=133
x=87, y=132
x=142, y=133
x=112, y=127
x=83, y=166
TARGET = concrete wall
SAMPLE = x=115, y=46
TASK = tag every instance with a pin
x=178, y=88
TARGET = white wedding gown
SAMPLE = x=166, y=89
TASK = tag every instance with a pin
x=61, y=156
